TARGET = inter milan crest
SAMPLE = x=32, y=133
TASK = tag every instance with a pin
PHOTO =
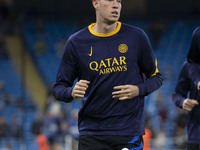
x=123, y=48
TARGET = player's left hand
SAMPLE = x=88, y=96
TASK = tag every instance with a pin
x=125, y=92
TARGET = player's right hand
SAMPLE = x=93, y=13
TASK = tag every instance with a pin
x=188, y=104
x=80, y=89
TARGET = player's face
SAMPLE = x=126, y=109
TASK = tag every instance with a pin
x=108, y=10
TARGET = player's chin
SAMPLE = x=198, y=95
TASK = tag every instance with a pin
x=114, y=18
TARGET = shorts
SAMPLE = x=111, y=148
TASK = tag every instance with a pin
x=193, y=146
x=110, y=142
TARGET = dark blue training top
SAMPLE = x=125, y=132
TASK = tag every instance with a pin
x=121, y=57
x=187, y=83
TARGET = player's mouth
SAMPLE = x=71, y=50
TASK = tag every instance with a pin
x=114, y=13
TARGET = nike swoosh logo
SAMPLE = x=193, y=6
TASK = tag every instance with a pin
x=90, y=52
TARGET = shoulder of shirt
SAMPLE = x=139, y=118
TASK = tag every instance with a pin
x=78, y=34
x=197, y=29
x=133, y=28
x=185, y=64
x=196, y=32
x=189, y=64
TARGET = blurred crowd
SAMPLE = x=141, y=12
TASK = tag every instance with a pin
x=54, y=128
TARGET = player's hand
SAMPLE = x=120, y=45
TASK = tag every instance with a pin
x=188, y=104
x=125, y=92
x=80, y=88
x=198, y=87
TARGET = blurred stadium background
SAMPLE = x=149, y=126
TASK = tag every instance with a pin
x=32, y=37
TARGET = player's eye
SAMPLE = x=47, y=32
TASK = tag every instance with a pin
x=119, y=1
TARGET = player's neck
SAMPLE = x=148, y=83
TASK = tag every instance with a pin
x=104, y=27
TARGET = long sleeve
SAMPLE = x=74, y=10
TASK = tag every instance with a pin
x=148, y=66
x=182, y=87
x=66, y=75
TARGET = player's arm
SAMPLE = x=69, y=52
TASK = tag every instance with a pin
x=148, y=66
x=67, y=73
x=182, y=87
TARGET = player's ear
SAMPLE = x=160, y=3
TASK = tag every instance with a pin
x=95, y=3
